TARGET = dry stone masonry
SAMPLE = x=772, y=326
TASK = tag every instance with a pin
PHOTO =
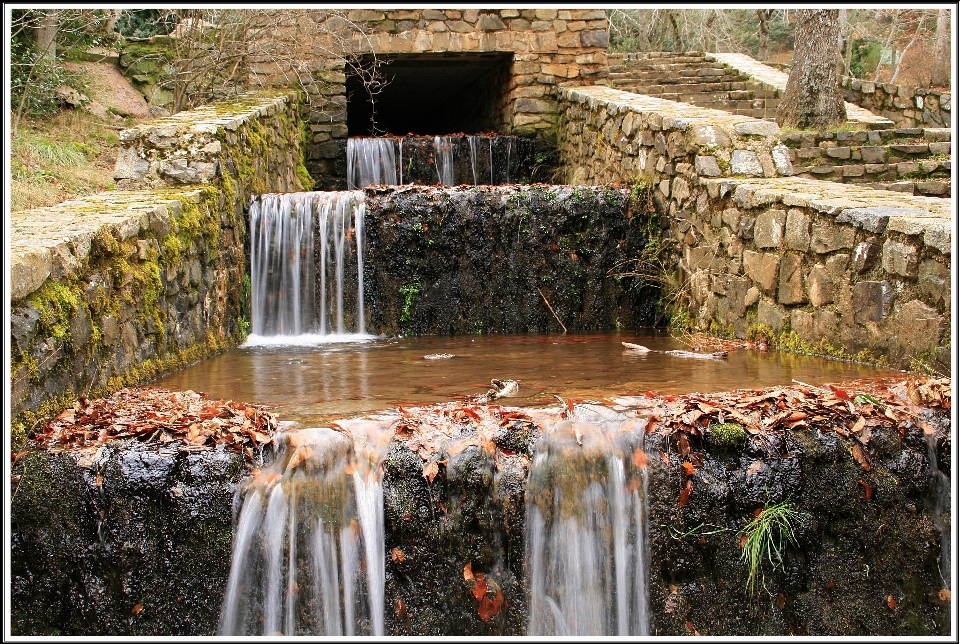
x=905, y=106
x=832, y=268
x=119, y=287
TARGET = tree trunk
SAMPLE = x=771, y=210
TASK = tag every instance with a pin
x=812, y=98
x=764, y=15
x=47, y=33
x=941, y=51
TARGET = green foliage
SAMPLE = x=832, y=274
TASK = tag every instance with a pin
x=765, y=537
x=409, y=293
x=865, y=56
x=143, y=23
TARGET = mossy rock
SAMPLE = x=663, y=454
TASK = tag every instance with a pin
x=724, y=436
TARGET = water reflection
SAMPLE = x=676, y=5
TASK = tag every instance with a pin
x=314, y=383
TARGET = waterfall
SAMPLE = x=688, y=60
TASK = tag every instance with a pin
x=472, y=140
x=296, y=567
x=586, y=528
x=444, y=159
x=371, y=161
x=281, y=264
x=292, y=297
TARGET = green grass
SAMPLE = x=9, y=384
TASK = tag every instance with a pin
x=766, y=535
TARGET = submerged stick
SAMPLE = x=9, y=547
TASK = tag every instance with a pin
x=551, y=309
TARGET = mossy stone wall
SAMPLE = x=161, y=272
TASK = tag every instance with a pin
x=120, y=287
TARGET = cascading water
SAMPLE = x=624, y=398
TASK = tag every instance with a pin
x=444, y=159
x=287, y=302
x=297, y=567
x=940, y=506
x=586, y=527
x=371, y=161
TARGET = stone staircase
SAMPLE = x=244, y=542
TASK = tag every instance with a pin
x=911, y=160
x=692, y=78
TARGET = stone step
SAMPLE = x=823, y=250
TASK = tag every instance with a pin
x=931, y=188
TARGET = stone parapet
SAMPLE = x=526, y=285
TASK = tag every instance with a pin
x=777, y=80
x=608, y=135
x=905, y=106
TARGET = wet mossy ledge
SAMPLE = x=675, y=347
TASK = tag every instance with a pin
x=135, y=538
x=120, y=287
x=506, y=259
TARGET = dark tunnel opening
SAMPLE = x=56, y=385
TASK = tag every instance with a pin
x=432, y=94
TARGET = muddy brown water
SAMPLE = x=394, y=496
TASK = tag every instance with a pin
x=311, y=384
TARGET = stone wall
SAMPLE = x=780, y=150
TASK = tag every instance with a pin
x=120, y=287
x=550, y=48
x=905, y=106
x=911, y=160
x=819, y=266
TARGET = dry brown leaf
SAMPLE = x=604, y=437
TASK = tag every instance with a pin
x=640, y=458
x=685, y=493
x=859, y=425
x=781, y=601
x=396, y=555
x=867, y=489
x=683, y=445
x=136, y=609
x=479, y=586
x=861, y=457
x=665, y=458
x=468, y=572
x=430, y=471
x=891, y=602
x=754, y=468
x=688, y=469
x=944, y=595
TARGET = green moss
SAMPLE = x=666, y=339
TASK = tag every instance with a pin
x=727, y=435
x=789, y=340
x=56, y=302
x=409, y=293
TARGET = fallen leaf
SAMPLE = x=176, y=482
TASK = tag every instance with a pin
x=468, y=572
x=399, y=608
x=754, y=468
x=781, y=601
x=640, y=458
x=685, y=493
x=891, y=602
x=396, y=555
x=671, y=604
x=861, y=457
x=830, y=584
x=430, y=470
x=664, y=458
x=688, y=469
x=299, y=456
x=944, y=595
x=136, y=609
x=860, y=424
x=488, y=608
x=683, y=445
x=839, y=393
x=479, y=587
x=690, y=628
x=867, y=489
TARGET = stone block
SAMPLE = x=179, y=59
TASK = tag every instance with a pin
x=940, y=148
x=768, y=229
x=781, y=160
x=130, y=165
x=819, y=285
x=837, y=265
x=763, y=269
x=745, y=162
x=797, y=235
x=707, y=166
x=771, y=315
x=873, y=220
x=865, y=255
x=757, y=128
x=868, y=301
x=873, y=154
x=594, y=39
x=839, y=152
x=918, y=328
x=731, y=217
x=745, y=228
x=939, y=234
x=932, y=188
x=489, y=22
x=790, y=290
x=752, y=297
x=900, y=259
x=853, y=170
x=827, y=237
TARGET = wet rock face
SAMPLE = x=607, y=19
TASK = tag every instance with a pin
x=866, y=536
x=468, y=261
x=137, y=542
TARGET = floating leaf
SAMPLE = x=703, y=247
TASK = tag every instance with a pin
x=640, y=458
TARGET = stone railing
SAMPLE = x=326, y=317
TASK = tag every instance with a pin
x=776, y=79
x=120, y=287
x=608, y=135
x=851, y=270
x=905, y=106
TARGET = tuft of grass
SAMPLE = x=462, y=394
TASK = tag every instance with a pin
x=765, y=537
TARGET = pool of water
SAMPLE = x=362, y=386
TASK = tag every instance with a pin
x=312, y=383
